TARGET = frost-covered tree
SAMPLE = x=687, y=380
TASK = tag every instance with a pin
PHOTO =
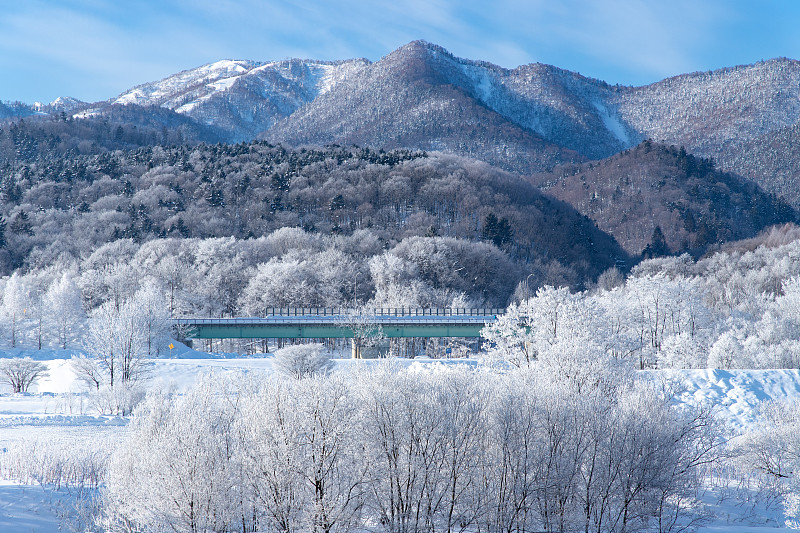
x=396, y=282
x=270, y=433
x=108, y=274
x=65, y=314
x=335, y=475
x=654, y=307
x=116, y=338
x=303, y=360
x=682, y=351
x=15, y=302
x=21, y=373
x=360, y=323
x=329, y=278
x=404, y=435
x=154, y=318
x=772, y=449
x=188, y=481
x=222, y=275
x=535, y=325
x=511, y=336
x=279, y=283
x=411, y=450
x=88, y=371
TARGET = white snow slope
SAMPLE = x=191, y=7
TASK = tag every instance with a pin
x=243, y=97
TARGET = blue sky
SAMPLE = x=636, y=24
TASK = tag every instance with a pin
x=95, y=49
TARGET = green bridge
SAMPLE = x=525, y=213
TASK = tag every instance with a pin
x=327, y=323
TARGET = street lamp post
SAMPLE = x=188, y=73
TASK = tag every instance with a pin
x=528, y=287
x=355, y=290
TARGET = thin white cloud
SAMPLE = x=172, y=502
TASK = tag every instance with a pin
x=656, y=38
x=89, y=48
x=114, y=45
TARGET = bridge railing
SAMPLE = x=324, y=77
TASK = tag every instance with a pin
x=384, y=311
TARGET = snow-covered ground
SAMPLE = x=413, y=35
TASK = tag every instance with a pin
x=26, y=508
x=735, y=395
x=59, y=411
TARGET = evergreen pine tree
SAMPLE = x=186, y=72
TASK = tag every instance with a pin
x=497, y=230
x=658, y=246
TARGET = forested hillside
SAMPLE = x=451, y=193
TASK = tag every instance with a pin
x=145, y=165
x=526, y=119
x=773, y=161
x=659, y=200
x=14, y=110
x=48, y=305
x=67, y=207
x=51, y=137
x=68, y=186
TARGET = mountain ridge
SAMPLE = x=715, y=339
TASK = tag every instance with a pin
x=528, y=119
x=694, y=206
x=590, y=116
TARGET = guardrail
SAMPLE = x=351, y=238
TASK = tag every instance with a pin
x=329, y=322
x=344, y=321
x=383, y=311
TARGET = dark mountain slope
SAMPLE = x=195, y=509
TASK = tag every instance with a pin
x=773, y=160
x=47, y=137
x=174, y=128
x=695, y=206
x=715, y=114
x=416, y=99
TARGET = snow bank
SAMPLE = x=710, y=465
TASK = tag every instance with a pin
x=735, y=394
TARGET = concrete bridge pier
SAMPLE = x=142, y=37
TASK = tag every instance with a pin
x=373, y=350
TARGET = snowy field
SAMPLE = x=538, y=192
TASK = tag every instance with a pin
x=58, y=411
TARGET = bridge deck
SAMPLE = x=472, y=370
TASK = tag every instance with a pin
x=334, y=326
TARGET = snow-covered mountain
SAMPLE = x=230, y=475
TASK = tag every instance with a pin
x=243, y=98
x=422, y=97
x=62, y=104
x=65, y=104
x=562, y=107
x=419, y=96
x=713, y=114
x=526, y=119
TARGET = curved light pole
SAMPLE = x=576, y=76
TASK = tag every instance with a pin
x=355, y=290
x=528, y=287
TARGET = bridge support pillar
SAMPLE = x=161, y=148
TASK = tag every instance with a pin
x=373, y=350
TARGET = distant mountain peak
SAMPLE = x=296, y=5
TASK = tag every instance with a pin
x=421, y=96
x=422, y=45
x=65, y=104
x=206, y=78
x=241, y=97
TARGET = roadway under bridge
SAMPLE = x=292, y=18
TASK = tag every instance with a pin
x=329, y=323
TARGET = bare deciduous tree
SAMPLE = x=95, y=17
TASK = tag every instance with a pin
x=21, y=373
x=117, y=339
